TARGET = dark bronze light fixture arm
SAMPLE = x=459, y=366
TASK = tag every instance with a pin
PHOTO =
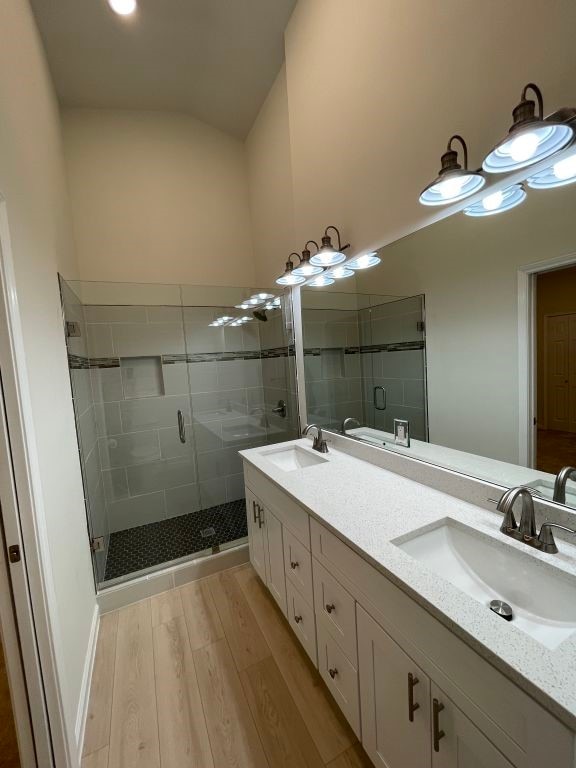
x=341, y=247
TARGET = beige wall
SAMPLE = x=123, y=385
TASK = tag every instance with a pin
x=375, y=88
x=157, y=197
x=32, y=183
x=468, y=270
x=270, y=183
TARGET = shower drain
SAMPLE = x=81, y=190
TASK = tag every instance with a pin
x=502, y=609
x=206, y=532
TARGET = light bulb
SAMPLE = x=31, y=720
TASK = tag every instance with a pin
x=262, y=296
x=493, y=201
x=523, y=147
x=122, y=7
x=341, y=272
x=565, y=169
x=365, y=261
x=451, y=187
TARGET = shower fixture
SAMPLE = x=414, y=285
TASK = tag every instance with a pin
x=261, y=314
x=453, y=182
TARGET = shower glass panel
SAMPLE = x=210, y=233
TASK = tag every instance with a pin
x=173, y=400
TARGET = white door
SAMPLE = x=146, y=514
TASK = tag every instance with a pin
x=456, y=742
x=256, y=534
x=559, y=346
x=276, y=574
x=394, y=700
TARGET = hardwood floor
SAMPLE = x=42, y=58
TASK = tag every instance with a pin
x=8, y=741
x=210, y=676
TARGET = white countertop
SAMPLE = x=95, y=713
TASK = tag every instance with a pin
x=369, y=507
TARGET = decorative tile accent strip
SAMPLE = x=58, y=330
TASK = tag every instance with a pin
x=399, y=346
x=278, y=352
x=104, y=362
x=76, y=362
x=155, y=543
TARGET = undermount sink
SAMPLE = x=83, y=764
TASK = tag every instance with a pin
x=293, y=458
x=543, y=600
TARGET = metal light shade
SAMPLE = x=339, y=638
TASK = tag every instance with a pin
x=453, y=182
x=306, y=269
x=289, y=278
x=558, y=175
x=339, y=273
x=498, y=202
x=531, y=137
x=328, y=255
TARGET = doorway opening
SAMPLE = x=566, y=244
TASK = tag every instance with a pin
x=555, y=322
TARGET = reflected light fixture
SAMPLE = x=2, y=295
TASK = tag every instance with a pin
x=531, y=137
x=339, y=273
x=327, y=255
x=306, y=268
x=558, y=175
x=497, y=202
x=365, y=261
x=320, y=281
x=262, y=296
x=289, y=278
x=453, y=182
x=123, y=7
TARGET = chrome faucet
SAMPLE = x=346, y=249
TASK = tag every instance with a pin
x=526, y=531
x=560, y=483
x=347, y=422
x=319, y=443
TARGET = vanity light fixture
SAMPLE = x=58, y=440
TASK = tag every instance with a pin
x=123, y=7
x=532, y=137
x=558, y=175
x=320, y=281
x=327, y=255
x=262, y=296
x=453, y=182
x=497, y=202
x=365, y=261
x=289, y=278
x=339, y=273
x=306, y=268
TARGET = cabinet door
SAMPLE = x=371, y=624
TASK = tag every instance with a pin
x=456, y=741
x=394, y=700
x=276, y=580
x=256, y=534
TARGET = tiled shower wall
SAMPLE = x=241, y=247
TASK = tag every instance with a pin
x=84, y=412
x=392, y=338
x=332, y=366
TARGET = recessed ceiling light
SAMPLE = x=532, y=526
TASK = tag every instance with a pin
x=123, y=7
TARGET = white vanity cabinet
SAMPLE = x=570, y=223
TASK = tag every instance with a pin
x=414, y=692
x=407, y=719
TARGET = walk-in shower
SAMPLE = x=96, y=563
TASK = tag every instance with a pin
x=165, y=395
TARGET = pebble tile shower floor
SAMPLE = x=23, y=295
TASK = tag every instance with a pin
x=148, y=545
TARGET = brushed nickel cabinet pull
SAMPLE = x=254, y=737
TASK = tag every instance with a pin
x=330, y=607
x=254, y=511
x=412, y=705
x=437, y=707
x=260, y=518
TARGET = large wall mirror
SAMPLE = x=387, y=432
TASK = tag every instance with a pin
x=467, y=329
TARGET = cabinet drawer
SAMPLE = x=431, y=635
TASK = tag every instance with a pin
x=285, y=508
x=337, y=607
x=302, y=620
x=298, y=563
x=340, y=676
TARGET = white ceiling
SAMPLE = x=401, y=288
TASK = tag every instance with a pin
x=214, y=59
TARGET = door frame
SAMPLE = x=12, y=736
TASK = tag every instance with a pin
x=25, y=525
x=527, y=332
x=546, y=319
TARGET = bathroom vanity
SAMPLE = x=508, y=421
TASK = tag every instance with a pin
x=386, y=583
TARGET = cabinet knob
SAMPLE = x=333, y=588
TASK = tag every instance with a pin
x=333, y=672
x=294, y=565
x=297, y=619
x=330, y=607
x=438, y=734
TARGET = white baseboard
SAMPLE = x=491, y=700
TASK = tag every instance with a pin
x=86, y=680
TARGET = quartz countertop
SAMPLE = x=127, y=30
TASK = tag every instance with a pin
x=369, y=507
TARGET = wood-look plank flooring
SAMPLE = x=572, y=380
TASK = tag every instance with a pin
x=210, y=676
x=9, y=753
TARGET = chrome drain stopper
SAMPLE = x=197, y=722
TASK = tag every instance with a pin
x=501, y=609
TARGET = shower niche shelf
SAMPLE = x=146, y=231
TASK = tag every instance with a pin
x=142, y=377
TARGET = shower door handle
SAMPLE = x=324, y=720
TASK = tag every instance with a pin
x=375, y=399
x=181, y=427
